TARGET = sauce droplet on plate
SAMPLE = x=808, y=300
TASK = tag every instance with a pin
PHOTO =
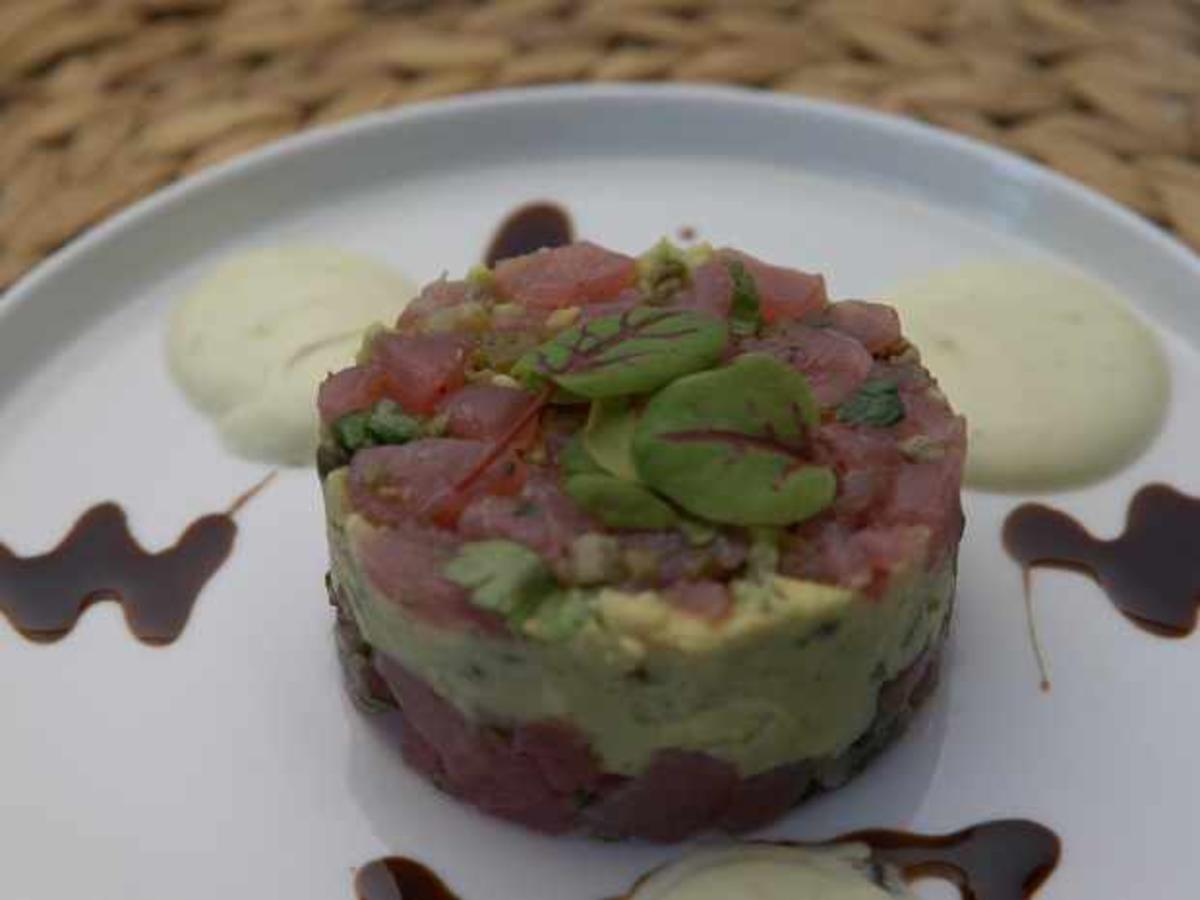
x=529, y=228
x=1150, y=572
x=1060, y=382
x=1007, y=859
x=398, y=878
x=43, y=596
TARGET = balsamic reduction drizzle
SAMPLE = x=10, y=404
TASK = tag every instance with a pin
x=529, y=228
x=43, y=596
x=1151, y=573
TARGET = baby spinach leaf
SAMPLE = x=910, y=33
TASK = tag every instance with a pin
x=745, y=317
x=731, y=445
x=876, y=403
x=633, y=352
x=502, y=576
x=575, y=459
x=620, y=504
x=608, y=436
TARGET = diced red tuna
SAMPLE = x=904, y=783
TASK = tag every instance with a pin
x=565, y=276
x=927, y=494
x=437, y=295
x=786, y=294
x=420, y=370
x=865, y=459
x=711, y=290
x=531, y=777
x=393, y=484
x=348, y=391
x=874, y=325
x=679, y=794
x=487, y=412
x=405, y=565
x=542, y=517
x=622, y=303
x=762, y=798
x=834, y=364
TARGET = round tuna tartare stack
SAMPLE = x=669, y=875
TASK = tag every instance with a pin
x=640, y=547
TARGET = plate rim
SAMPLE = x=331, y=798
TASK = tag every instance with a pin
x=1042, y=178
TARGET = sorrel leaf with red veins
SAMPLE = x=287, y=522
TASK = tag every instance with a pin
x=633, y=352
x=732, y=445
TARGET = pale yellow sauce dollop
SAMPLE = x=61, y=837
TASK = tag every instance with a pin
x=770, y=872
x=250, y=344
x=1060, y=383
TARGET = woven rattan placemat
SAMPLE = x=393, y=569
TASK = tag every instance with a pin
x=105, y=100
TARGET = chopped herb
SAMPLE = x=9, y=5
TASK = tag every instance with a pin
x=560, y=616
x=389, y=424
x=634, y=352
x=662, y=271
x=386, y=423
x=351, y=430
x=620, y=504
x=876, y=403
x=745, y=316
x=503, y=576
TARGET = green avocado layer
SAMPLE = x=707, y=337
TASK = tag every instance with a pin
x=793, y=674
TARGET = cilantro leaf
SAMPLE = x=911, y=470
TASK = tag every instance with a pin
x=502, y=576
x=876, y=403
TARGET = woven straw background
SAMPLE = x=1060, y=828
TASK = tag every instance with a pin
x=102, y=101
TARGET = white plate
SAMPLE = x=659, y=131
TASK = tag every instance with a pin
x=230, y=764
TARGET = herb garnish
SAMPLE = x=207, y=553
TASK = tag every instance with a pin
x=876, y=403
x=632, y=352
x=731, y=445
x=745, y=317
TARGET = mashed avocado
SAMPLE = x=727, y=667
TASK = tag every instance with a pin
x=792, y=674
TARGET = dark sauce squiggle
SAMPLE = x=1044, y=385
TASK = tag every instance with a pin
x=44, y=596
x=1151, y=573
x=398, y=878
x=531, y=227
x=1008, y=859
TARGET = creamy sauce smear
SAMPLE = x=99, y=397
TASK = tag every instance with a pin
x=251, y=343
x=837, y=872
x=1061, y=385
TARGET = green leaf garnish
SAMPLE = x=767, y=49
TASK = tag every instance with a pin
x=389, y=424
x=732, y=445
x=620, y=504
x=560, y=616
x=876, y=403
x=633, y=352
x=608, y=436
x=503, y=576
x=745, y=317
x=575, y=459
